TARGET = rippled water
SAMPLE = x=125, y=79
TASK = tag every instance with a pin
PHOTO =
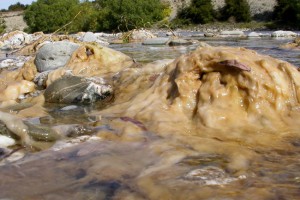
x=265, y=45
x=150, y=167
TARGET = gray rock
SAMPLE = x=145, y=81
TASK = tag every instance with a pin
x=54, y=55
x=74, y=89
x=179, y=42
x=156, y=41
x=89, y=37
x=232, y=34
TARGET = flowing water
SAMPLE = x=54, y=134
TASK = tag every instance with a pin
x=123, y=160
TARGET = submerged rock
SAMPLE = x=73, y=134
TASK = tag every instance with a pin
x=292, y=45
x=156, y=41
x=74, y=89
x=54, y=55
x=232, y=34
x=179, y=42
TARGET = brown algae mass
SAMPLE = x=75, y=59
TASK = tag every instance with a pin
x=217, y=123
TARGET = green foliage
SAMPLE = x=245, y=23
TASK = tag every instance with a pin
x=50, y=15
x=2, y=25
x=16, y=7
x=239, y=10
x=124, y=15
x=288, y=12
x=99, y=15
x=199, y=12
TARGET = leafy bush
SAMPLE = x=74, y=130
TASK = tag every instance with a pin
x=50, y=15
x=239, y=10
x=16, y=7
x=99, y=15
x=199, y=12
x=124, y=15
x=288, y=12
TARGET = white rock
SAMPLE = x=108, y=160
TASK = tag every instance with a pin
x=284, y=34
x=6, y=141
x=7, y=63
x=253, y=34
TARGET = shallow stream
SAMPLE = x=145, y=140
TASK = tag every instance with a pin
x=146, y=165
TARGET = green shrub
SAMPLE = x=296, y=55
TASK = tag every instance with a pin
x=124, y=15
x=50, y=15
x=239, y=10
x=199, y=12
x=16, y=7
x=287, y=12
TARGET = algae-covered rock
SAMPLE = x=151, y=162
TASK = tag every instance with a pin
x=74, y=89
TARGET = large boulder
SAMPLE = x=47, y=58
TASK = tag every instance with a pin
x=54, y=55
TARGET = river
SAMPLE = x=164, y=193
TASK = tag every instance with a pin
x=142, y=164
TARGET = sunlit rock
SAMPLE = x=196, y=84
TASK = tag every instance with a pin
x=54, y=55
x=16, y=39
x=253, y=35
x=93, y=60
x=217, y=87
x=137, y=35
x=283, y=34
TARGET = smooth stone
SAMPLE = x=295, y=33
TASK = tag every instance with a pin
x=284, y=34
x=253, y=34
x=6, y=141
x=198, y=35
x=75, y=89
x=232, y=34
x=209, y=35
x=89, y=37
x=156, y=41
x=54, y=55
x=179, y=42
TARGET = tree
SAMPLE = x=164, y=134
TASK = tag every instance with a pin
x=124, y=15
x=199, y=12
x=50, y=15
x=16, y=7
x=288, y=12
x=237, y=9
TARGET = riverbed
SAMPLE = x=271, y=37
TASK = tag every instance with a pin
x=122, y=158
